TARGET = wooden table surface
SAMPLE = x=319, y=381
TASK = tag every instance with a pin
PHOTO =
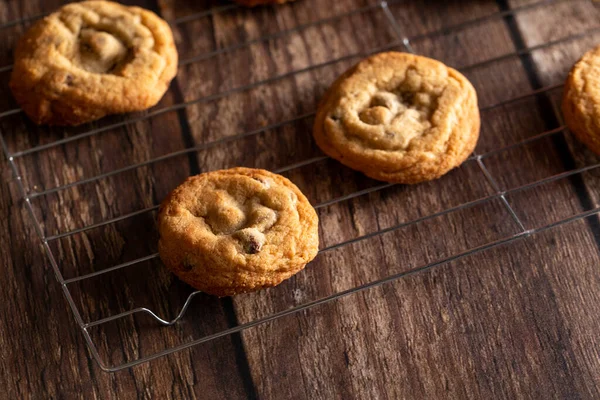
x=431, y=291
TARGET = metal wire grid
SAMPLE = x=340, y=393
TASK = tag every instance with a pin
x=402, y=41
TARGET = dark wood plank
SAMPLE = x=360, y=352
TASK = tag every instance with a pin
x=43, y=351
x=513, y=322
x=511, y=314
x=70, y=371
x=580, y=20
x=122, y=290
x=557, y=153
x=142, y=187
x=407, y=248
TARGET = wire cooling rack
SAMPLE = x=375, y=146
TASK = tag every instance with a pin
x=402, y=41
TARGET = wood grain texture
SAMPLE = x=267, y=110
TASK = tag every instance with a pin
x=510, y=322
x=43, y=352
x=505, y=323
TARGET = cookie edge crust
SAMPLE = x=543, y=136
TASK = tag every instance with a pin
x=463, y=138
x=46, y=104
x=241, y=278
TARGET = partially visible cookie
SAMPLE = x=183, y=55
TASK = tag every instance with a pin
x=399, y=117
x=581, y=100
x=236, y=231
x=252, y=3
x=91, y=59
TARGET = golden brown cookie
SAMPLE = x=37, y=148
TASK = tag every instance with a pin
x=252, y=3
x=236, y=231
x=399, y=117
x=91, y=59
x=581, y=100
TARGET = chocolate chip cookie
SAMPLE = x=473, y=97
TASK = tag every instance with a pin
x=91, y=59
x=399, y=117
x=581, y=100
x=236, y=231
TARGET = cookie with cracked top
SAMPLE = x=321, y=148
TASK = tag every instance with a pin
x=235, y=231
x=91, y=59
x=581, y=100
x=399, y=117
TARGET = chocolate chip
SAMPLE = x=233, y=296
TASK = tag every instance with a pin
x=252, y=246
x=186, y=266
x=407, y=98
x=251, y=239
x=69, y=80
x=112, y=68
